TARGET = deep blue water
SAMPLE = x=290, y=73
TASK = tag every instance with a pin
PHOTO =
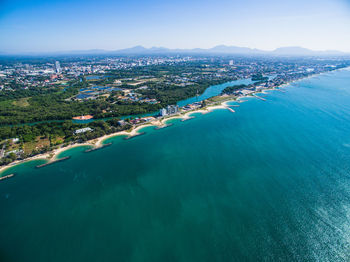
x=269, y=182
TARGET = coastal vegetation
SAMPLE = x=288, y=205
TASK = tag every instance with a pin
x=55, y=106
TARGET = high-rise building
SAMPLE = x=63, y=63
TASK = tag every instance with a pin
x=172, y=109
x=163, y=112
x=169, y=110
x=231, y=63
x=58, y=67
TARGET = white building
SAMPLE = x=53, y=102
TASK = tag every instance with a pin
x=83, y=130
x=169, y=110
x=163, y=112
x=58, y=67
x=173, y=109
x=121, y=123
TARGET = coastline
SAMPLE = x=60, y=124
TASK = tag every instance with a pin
x=49, y=156
x=98, y=142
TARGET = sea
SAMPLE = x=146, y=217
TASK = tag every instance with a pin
x=270, y=182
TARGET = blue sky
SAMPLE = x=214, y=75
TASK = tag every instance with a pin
x=38, y=25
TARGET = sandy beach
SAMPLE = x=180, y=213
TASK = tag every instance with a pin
x=97, y=142
x=49, y=156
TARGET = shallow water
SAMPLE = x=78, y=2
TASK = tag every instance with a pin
x=268, y=183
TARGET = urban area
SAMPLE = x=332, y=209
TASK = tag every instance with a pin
x=50, y=102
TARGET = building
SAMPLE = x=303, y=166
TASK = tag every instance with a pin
x=231, y=63
x=58, y=67
x=121, y=123
x=173, y=109
x=83, y=130
x=163, y=112
x=169, y=110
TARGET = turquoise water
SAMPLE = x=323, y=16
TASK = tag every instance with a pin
x=270, y=182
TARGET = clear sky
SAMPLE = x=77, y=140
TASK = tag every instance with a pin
x=60, y=25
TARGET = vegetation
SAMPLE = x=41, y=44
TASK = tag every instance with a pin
x=54, y=105
x=32, y=106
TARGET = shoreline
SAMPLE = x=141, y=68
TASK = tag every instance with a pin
x=98, y=142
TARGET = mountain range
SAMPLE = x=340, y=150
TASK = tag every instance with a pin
x=220, y=49
x=223, y=49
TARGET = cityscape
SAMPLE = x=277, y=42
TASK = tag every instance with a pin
x=138, y=85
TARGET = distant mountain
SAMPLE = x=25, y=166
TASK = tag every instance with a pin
x=220, y=49
x=293, y=50
x=234, y=50
x=223, y=49
x=135, y=49
x=300, y=51
x=215, y=50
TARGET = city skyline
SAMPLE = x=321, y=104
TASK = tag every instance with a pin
x=42, y=26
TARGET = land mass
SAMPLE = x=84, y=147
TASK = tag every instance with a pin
x=117, y=95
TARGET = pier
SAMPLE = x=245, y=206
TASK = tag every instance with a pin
x=259, y=97
x=138, y=134
x=187, y=118
x=6, y=177
x=97, y=148
x=161, y=127
x=230, y=109
x=52, y=162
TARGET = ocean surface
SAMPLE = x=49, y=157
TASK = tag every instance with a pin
x=270, y=182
